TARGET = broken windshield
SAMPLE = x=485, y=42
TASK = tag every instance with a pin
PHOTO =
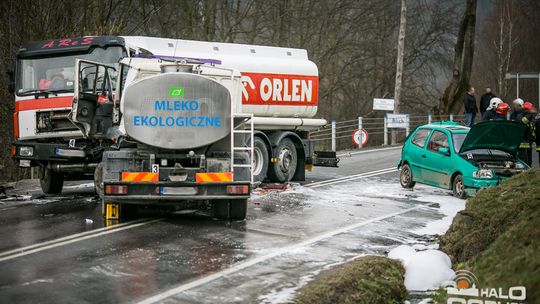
x=56, y=73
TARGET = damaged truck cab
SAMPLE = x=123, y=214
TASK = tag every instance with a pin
x=177, y=136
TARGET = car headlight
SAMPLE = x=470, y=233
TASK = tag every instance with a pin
x=483, y=173
x=26, y=151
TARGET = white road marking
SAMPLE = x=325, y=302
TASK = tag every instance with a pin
x=243, y=265
x=368, y=151
x=18, y=252
x=351, y=177
x=70, y=239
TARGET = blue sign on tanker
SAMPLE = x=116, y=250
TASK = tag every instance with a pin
x=180, y=107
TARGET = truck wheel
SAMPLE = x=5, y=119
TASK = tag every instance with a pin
x=284, y=168
x=458, y=187
x=238, y=209
x=98, y=179
x=220, y=209
x=260, y=159
x=51, y=182
x=406, y=178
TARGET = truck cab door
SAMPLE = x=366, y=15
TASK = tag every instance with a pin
x=92, y=107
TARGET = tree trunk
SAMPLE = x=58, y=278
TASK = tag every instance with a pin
x=451, y=101
x=399, y=65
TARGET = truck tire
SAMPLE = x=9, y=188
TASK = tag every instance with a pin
x=238, y=209
x=51, y=182
x=287, y=157
x=406, y=178
x=220, y=209
x=260, y=159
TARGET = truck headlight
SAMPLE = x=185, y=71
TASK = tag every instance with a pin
x=483, y=173
x=26, y=151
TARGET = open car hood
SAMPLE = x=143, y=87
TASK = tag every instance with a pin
x=495, y=134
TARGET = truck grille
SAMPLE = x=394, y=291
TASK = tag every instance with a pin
x=54, y=121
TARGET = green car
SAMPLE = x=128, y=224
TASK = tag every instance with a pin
x=451, y=156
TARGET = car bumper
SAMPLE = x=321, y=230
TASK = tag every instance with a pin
x=174, y=192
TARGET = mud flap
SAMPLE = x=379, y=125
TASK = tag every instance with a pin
x=325, y=159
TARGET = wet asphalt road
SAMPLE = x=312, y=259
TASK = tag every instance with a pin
x=68, y=257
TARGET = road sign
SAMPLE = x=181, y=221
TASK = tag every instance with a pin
x=398, y=121
x=356, y=137
x=383, y=104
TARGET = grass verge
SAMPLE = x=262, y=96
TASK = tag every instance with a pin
x=497, y=236
x=370, y=279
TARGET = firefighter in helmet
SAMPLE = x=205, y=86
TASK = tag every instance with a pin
x=528, y=114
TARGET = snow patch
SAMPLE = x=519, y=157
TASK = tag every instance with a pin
x=424, y=270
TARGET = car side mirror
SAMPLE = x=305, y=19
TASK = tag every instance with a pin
x=444, y=150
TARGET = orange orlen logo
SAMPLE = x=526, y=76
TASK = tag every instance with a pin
x=464, y=290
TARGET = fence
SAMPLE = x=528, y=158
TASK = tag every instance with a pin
x=338, y=134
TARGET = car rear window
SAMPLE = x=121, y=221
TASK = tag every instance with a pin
x=419, y=139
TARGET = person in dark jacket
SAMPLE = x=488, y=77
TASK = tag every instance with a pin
x=485, y=101
x=491, y=110
x=517, y=109
x=470, y=107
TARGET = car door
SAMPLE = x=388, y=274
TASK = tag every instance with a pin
x=437, y=160
x=415, y=152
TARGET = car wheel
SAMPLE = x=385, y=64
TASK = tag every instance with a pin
x=458, y=187
x=406, y=178
x=284, y=168
x=51, y=182
x=260, y=159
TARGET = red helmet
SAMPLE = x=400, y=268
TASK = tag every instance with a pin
x=527, y=106
x=502, y=108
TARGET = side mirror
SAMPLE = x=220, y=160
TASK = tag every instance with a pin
x=444, y=150
x=11, y=79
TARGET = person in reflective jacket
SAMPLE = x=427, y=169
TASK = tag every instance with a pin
x=528, y=115
x=537, y=135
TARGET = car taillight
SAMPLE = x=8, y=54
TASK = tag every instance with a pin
x=116, y=189
x=238, y=189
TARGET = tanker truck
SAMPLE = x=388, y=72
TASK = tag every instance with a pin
x=177, y=137
x=279, y=87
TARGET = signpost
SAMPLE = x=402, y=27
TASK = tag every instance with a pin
x=395, y=121
x=382, y=104
x=356, y=137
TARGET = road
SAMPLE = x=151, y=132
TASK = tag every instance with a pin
x=57, y=250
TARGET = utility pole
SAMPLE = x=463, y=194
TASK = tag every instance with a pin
x=399, y=65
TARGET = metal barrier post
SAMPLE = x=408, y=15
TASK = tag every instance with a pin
x=429, y=118
x=334, y=135
x=451, y=117
x=385, y=132
x=408, y=128
x=360, y=132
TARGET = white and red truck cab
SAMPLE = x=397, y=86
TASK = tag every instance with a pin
x=279, y=88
